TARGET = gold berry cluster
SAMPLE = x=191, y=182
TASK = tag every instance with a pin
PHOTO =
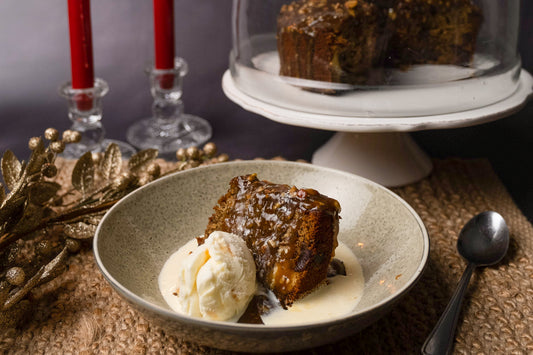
x=193, y=156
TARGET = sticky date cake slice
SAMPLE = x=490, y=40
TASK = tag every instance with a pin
x=291, y=232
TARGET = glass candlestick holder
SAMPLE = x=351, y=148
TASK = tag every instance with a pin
x=169, y=128
x=85, y=112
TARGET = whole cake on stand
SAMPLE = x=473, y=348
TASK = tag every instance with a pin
x=355, y=41
x=374, y=70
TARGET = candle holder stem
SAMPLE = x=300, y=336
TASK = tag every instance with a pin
x=169, y=128
x=85, y=112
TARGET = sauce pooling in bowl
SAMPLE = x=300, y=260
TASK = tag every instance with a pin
x=337, y=298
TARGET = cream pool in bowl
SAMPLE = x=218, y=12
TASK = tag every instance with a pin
x=139, y=234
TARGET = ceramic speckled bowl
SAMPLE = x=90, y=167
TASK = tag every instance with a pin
x=136, y=237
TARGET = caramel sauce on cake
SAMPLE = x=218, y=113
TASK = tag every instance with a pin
x=291, y=232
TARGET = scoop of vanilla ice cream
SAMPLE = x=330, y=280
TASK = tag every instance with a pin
x=217, y=280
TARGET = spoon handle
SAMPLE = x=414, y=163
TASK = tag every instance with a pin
x=440, y=340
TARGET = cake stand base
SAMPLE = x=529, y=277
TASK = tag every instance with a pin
x=388, y=158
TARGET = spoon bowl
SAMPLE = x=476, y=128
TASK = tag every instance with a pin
x=483, y=240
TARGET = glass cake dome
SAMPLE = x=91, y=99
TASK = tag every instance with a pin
x=368, y=58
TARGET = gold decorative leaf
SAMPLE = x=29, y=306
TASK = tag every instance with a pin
x=80, y=230
x=37, y=158
x=141, y=159
x=31, y=218
x=112, y=162
x=43, y=191
x=55, y=267
x=11, y=211
x=11, y=169
x=83, y=173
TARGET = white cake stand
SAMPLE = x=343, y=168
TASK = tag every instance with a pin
x=378, y=148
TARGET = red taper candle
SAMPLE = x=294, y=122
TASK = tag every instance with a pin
x=81, y=44
x=164, y=34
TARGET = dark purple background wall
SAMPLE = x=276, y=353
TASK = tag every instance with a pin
x=34, y=61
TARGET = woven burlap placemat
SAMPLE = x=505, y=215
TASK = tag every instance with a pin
x=79, y=313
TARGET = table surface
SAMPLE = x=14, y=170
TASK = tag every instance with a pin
x=79, y=312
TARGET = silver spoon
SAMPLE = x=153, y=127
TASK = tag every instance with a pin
x=484, y=240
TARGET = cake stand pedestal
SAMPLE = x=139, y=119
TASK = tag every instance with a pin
x=379, y=148
x=389, y=158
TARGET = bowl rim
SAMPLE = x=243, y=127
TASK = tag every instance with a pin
x=260, y=328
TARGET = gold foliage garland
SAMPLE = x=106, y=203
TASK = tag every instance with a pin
x=42, y=222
